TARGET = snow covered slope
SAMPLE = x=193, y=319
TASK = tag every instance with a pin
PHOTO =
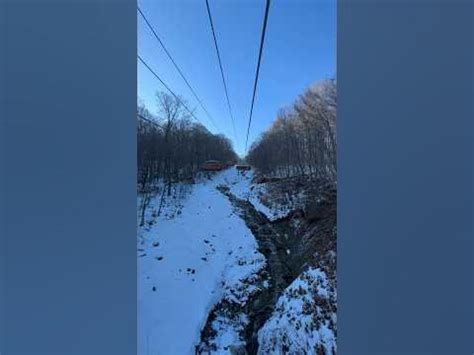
x=244, y=189
x=259, y=196
x=184, y=263
x=304, y=320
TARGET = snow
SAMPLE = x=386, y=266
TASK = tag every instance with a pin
x=298, y=323
x=228, y=331
x=257, y=195
x=188, y=261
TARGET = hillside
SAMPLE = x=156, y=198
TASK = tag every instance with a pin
x=237, y=266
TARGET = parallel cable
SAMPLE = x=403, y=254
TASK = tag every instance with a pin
x=167, y=88
x=262, y=40
x=177, y=67
x=149, y=120
x=221, y=69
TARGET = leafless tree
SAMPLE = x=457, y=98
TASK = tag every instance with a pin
x=302, y=139
x=171, y=148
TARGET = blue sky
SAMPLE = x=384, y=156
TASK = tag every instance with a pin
x=300, y=49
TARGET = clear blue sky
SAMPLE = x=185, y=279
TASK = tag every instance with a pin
x=300, y=49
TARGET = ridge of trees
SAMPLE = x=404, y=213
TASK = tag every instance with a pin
x=174, y=148
x=302, y=140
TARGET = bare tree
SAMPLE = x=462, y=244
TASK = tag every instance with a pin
x=302, y=140
x=171, y=148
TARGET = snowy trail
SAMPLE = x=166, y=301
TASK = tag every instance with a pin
x=184, y=264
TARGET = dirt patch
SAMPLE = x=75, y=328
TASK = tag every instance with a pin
x=312, y=221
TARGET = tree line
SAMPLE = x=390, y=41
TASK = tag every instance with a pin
x=302, y=139
x=171, y=148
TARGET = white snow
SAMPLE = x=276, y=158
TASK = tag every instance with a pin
x=298, y=323
x=257, y=195
x=190, y=261
x=227, y=330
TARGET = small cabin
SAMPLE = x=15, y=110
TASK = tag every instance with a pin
x=212, y=165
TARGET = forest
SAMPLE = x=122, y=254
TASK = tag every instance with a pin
x=171, y=147
x=302, y=139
